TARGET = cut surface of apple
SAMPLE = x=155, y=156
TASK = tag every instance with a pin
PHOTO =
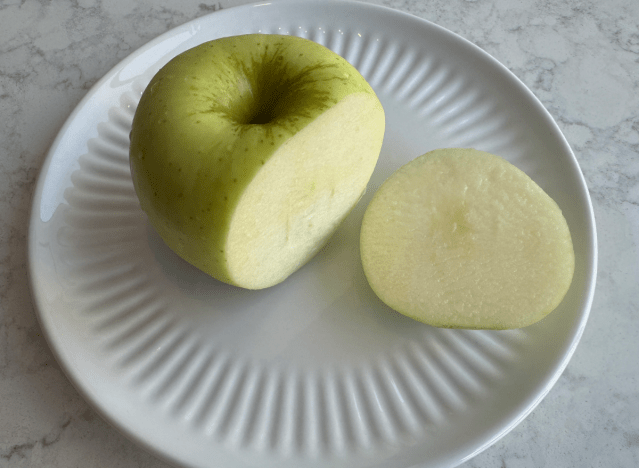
x=247, y=152
x=460, y=238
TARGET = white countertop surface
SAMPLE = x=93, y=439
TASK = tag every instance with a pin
x=581, y=59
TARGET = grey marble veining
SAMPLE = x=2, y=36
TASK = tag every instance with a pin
x=581, y=58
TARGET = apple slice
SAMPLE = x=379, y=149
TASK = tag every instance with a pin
x=247, y=152
x=460, y=238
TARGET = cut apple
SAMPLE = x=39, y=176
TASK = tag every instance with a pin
x=248, y=151
x=460, y=238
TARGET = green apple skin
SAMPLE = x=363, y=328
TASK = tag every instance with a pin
x=247, y=152
x=460, y=238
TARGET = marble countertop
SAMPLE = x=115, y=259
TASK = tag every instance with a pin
x=580, y=57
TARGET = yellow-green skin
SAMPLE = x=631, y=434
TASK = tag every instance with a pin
x=209, y=120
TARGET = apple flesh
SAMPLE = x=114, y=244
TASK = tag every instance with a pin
x=460, y=238
x=247, y=152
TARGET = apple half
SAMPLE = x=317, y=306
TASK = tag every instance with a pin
x=460, y=238
x=247, y=152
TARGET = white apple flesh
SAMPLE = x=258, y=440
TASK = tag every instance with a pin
x=460, y=238
x=247, y=152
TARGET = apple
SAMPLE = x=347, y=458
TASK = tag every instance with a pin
x=460, y=238
x=247, y=152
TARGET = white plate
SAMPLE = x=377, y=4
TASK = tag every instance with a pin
x=315, y=372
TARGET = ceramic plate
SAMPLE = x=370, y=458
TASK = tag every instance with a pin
x=314, y=372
